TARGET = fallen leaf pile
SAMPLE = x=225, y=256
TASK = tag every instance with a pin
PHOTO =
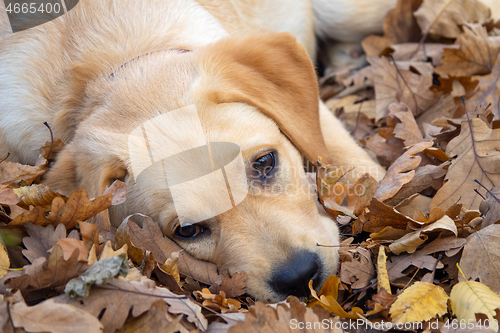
x=421, y=245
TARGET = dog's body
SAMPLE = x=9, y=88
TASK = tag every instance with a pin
x=106, y=67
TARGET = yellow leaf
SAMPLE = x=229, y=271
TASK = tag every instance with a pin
x=170, y=266
x=92, y=256
x=382, y=275
x=471, y=297
x=4, y=262
x=421, y=301
x=108, y=251
x=328, y=299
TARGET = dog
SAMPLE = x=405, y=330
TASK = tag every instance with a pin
x=243, y=68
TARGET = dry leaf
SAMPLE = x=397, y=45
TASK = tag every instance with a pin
x=44, y=273
x=488, y=91
x=218, y=302
x=4, y=261
x=8, y=196
x=424, y=177
x=400, y=172
x=419, y=259
x=36, y=195
x=359, y=271
x=232, y=286
x=407, y=130
x=170, y=266
x=393, y=85
x=490, y=207
x=444, y=244
x=119, y=297
x=481, y=257
x=14, y=173
x=476, y=56
x=156, y=319
x=69, y=245
x=264, y=318
x=445, y=17
x=382, y=276
x=381, y=216
x=421, y=301
x=108, y=252
x=41, y=240
x=400, y=26
x=327, y=298
x=49, y=316
x=478, y=157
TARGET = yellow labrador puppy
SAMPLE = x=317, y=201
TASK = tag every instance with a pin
x=139, y=90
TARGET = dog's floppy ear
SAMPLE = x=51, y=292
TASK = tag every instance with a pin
x=272, y=72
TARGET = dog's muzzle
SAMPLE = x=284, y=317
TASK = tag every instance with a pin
x=292, y=278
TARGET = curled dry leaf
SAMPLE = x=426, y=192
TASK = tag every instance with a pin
x=218, y=302
x=444, y=17
x=37, y=195
x=481, y=257
x=381, y=216
x=478, y=157
x=78, y=207
x=419, y=302
x=327, y=298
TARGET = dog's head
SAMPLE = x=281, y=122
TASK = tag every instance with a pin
x=258, y=93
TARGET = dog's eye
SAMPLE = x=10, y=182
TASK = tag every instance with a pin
x=189, y=231
x=265, y=164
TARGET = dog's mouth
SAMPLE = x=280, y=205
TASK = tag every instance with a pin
x=293, y=276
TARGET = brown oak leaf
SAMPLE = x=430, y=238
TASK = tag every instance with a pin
x=119, y=298
x=476, y=54
x=41, y=240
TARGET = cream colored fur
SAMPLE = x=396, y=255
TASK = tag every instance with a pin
x=107, y=66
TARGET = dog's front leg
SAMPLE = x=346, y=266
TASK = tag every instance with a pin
x=344, y=150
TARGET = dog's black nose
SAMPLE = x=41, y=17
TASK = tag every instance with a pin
x=292, y=278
